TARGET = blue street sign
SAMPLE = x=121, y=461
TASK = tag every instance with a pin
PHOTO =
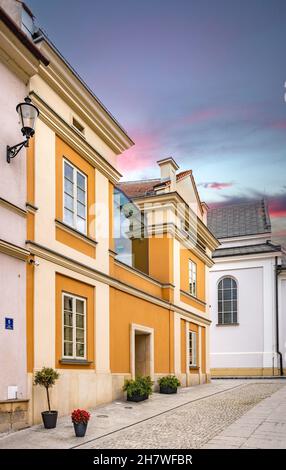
x=9, y=323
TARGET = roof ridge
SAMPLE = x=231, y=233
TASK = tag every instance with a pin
x=139, y=181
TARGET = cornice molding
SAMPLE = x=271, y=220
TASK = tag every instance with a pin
x=12, y=207
x=14, y=250
x=71, y=137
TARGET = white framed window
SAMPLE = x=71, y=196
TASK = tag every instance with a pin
x=75, y=197
x=74, y=326
x=227, y=301
x=192, y=349
x=193, y=278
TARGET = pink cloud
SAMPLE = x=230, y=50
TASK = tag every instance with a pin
x=215, y=185
x=279, y=125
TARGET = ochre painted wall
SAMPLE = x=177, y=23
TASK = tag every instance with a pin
x=161, y=258
x=125, y=310
x=132, y=279
x=72, y=286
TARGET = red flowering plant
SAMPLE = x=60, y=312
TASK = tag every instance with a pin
x=80, y=416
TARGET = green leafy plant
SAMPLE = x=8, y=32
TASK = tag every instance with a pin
x=169, y=381
x=141, y=386
x=46, y=377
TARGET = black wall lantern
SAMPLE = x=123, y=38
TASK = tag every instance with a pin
x=28, y=114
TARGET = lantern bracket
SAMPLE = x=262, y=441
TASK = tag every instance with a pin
x=13, y=151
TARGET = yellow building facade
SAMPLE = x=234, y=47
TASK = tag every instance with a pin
x=92, y=313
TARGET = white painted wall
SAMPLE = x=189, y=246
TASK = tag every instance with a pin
x=282, y=316
x=251, y=344
x=12, y=230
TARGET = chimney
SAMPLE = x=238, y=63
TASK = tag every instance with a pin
x=168, y=168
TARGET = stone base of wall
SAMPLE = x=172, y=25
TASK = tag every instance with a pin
x=13, y=415
x=244, y=372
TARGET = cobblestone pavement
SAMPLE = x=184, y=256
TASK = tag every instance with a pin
x=263, y=427
x=192, y=425
x=189, y=419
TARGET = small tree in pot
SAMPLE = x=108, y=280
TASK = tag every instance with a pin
x=169, y=384
x=46, y=377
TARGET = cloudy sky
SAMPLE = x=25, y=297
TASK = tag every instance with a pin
x=200, y=80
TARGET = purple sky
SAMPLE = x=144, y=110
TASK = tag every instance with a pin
x=200, y=80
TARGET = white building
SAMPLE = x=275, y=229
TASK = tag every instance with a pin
x=247, y=293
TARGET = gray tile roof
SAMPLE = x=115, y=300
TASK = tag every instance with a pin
x=237, y=220
x=246, y=250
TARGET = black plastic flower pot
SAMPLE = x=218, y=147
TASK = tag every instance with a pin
x=50, y=419
x=137, y=398
x=168, y=390
x=80, y=429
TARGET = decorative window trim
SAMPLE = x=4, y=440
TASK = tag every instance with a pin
x=193, y=276
x=74, y=357
x=75, y=200
x=192, y=345
x=233, y=312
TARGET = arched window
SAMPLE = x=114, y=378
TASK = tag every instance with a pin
x=227, y=301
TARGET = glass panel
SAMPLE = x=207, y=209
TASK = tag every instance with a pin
x=233, y=284
x=68, y=171
x=234, y=305
x=220, y=306
x=81, y=181
x=67, y=333
x=68, y=318
x=234, y=293
x=80, y=349
x=81, y=224
x=227, y=283
x=227, y=294
x=67, y=303
x=219, y=295
x=68, y=349
x=68, y=187
x=79, y=335
x=220, y=317
x=80, y=196
x=81, y=210
x=234, y=317
x=79, y=306
x=68, y=202
x=68, y=217
x=220, y=284
x=227, y=318
x=227, y=306
x=80, y=321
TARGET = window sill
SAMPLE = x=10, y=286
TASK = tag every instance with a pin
x=193, y=297
x=194, y=367
x=82, y=362
x=75, y=232
x=227, y=324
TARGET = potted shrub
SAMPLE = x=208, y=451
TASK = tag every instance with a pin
x=80, y=419
x=139, y=389
x=46, y=377
x=169, y=384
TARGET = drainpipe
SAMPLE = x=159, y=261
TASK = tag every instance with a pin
x=277, y=272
